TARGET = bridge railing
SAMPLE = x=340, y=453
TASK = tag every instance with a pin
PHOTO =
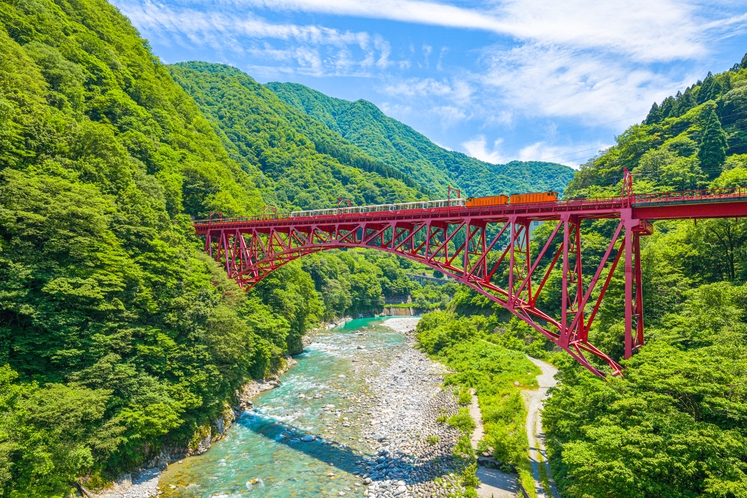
x=581, y=203
x=691, y=195
x=238, y=219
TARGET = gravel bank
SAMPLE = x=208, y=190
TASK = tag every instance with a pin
x=414, y=451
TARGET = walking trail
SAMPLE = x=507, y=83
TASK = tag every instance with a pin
x=534, y=401
x=497, y=484
x=493, y=482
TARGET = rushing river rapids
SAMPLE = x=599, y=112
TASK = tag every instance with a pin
x=351, y=418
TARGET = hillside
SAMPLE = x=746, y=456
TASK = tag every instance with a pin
x=401, y=147
x=117, y=335
x=676, y=425
x=308, y=165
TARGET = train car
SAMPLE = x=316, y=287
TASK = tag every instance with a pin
x=493, y=200
x=407, y=206
x=534, y=197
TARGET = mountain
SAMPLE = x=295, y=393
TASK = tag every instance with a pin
x=118, y=336
x=403, y=148
x=308, y=166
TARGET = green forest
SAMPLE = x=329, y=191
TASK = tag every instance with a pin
x=304, y=164
x=675, y=424
x=406, y=150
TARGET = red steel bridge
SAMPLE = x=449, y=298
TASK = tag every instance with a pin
x=488, y=249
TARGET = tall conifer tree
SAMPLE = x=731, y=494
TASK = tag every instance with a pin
x=712, y=153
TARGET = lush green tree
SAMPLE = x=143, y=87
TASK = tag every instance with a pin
x=303, y=164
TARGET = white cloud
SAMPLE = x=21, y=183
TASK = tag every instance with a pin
x=541, y=80
x=441, y=54
x=395, y=110
x=449, y=114
x=458, y=91
x=230, y=32
x=570, y=155
x=477, y=148
x=427, y=50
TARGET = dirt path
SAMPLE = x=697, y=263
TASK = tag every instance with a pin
x=493, y=482
x=534, y=401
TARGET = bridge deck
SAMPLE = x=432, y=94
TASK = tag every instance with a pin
x=647, y=207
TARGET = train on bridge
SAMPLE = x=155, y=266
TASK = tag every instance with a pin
x=493, y=200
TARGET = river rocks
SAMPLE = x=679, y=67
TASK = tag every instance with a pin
x=144, y=484
x=406, y=403
x=308, y=338
x=308, y=438
x=248, y=391
x=203, y=444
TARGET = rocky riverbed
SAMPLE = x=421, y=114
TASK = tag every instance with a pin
x=414, y=451
x=358, y=416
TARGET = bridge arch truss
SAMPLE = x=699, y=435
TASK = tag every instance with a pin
x=490, y=254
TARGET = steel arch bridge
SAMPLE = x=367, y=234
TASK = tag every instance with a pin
x=488, y=248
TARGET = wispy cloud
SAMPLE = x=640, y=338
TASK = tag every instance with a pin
x=315, y=50
x=541, y=80
x=456, y=90
x=647, y=30
x=478, y=148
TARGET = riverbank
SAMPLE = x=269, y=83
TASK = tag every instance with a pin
x=143, y=483
x=386, y=422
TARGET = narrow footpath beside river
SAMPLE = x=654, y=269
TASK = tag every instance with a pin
x=352, y=418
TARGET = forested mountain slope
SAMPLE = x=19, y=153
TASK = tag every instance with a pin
x=401, y=147
x=309, y=165
x=117, y=336
x=676, y=425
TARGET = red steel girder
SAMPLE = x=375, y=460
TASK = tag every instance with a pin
x=501, y=269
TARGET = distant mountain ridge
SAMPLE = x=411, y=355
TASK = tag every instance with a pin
x=401, y=147
x=304, y=164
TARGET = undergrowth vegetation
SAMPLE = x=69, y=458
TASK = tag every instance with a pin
x=497, y=375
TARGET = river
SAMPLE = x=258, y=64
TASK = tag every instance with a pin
x=333, y=396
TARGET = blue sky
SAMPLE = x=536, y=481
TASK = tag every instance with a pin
x=497, y=79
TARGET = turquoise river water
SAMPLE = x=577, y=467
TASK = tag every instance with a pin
x=263, y=455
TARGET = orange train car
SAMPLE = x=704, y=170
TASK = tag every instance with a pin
x=534, y=197
x=493, y=200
